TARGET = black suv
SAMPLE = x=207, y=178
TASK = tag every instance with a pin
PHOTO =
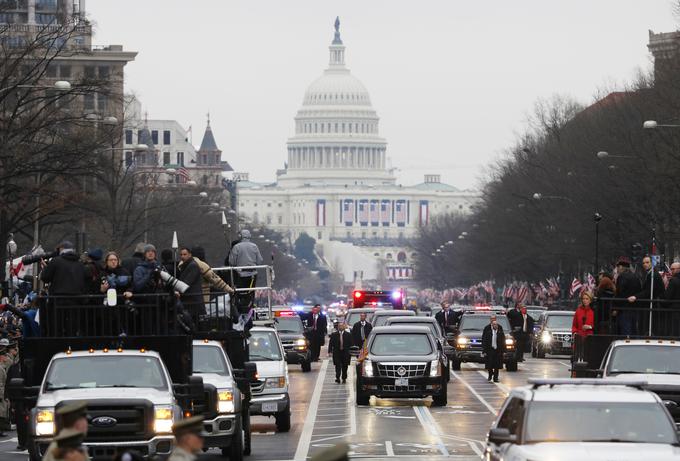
x=467, y=339
x=292, y=333
x=401, y=361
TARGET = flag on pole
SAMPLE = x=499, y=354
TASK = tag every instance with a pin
x=576, y=285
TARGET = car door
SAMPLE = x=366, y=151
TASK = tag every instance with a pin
x=512, y=419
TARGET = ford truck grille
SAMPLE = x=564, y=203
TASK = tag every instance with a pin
x=110, y=422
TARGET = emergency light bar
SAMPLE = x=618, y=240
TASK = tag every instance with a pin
x=285, y=314
x=537, y=382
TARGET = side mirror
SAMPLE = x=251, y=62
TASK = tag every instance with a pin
x=196, y=387
x=250, y=371
x=670, y=405
x=501, y=435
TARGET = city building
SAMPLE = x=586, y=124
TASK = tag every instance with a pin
x=337, y=186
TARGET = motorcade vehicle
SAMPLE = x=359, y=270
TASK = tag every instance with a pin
x=380, y=317
x=270, y=391
x=435, y=329
x=535, y=312
x=554, y=335
x=227, y=420
x=570, y=419
x=378, y=298
x=467, y=339
x=401, y=362
x=354, y=315
x=655, y=361
x=292, y=334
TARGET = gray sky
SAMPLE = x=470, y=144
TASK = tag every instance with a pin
x=452, y=80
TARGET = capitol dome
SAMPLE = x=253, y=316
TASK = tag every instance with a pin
x=336, y=137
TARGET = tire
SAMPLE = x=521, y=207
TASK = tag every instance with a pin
x=540, y=352
x=283, y=420
x=511, y=366
x=533, y=351
x=363, y=398
x=447, y=373
x=33, y=454
x=235, y=450
x=455, y=365
x=306, y=366
x=247, y=439
x=442, y=399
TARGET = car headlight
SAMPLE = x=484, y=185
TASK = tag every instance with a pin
x=546, y=337
x=300, y=342
x=164, y=418
x=509, y=341
x=225, y=401
x=276, y=382
x=368, y=368
x=435, y=369
x=462, y=342
x=44, y=422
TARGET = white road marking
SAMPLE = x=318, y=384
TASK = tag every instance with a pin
x=13, y=439
x=568, y=365
x=472, y=443
x=502, y=386
x=474, y=392
x=308, y=428
x=388, y=448
x=399, y=417
x=430, y=425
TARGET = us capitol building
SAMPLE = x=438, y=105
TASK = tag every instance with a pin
x=337, y=187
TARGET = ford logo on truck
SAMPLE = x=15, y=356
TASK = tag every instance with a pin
x=104, y=421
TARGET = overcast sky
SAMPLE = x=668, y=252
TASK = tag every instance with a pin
x=452, y=81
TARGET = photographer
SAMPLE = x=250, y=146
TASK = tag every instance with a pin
x=245, y=254
x=91, y=260
x=146, y=278
x=190, y=273
x=115, y=276
x=210, y=279
x=64, y=273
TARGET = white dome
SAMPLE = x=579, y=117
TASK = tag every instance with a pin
x=337, y=87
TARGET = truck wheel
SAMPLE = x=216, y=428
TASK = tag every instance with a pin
x=306, y=366
x=247, y=439
x=533, y=351
x=283, y=420
x=33, y=454
x=455, y=365
x=540, y=352
x=442, y=399
x=511, y=366
x=447, y=372
x=235, y=450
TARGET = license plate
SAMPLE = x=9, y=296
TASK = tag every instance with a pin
x=269, y=407
x=566, y=344
x=401, y=382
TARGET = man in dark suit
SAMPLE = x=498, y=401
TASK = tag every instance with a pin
x=493, y=345
x=361, y=330
x=338, y=347
x=627, y=285
x=522, y=328
x=317, y=328
x=446, y=319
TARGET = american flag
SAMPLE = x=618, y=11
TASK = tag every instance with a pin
x=523, y=294
x=183, y=174
x=400, y=212
x=385, y=212
x=576, y=285
x=348, y=211
x=375, y=213
x=667, y=274
x=363, y=211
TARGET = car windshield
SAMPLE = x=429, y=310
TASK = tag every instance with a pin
x=478, y=322
x=264, y=345
x=598, y=422
x=381, y=320
x=559, y=322
x=657, y=359
x=98, y=371
x=433, y=328
x=209, y=359
x=535, y=313
x=401, y=344
x=353, y=317
x=288, y=324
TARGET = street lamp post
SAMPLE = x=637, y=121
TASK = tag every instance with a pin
x=597, y=218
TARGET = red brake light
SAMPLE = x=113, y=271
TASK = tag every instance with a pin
x=285, y=314
x=357, y=294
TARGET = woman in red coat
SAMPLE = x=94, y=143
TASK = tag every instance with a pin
x=582, y=325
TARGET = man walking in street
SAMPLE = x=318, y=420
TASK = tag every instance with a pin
x=493, y=345
x=673, y=294
x=338, y=347
x=317, y=328
x=446, y=319
x=361, y=330
x=522, y=327
x=627, y=285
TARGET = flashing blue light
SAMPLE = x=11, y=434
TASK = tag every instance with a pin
x=298, y=307
x=396, y=295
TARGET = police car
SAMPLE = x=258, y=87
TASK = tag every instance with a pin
x=292, y=334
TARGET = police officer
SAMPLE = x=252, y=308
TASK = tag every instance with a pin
x=189, y=439
x=73, y=417
x=68, y=446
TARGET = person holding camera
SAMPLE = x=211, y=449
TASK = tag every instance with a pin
x=190, y=273
x=64, y=273
x=146, y=278
x=115, y=276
